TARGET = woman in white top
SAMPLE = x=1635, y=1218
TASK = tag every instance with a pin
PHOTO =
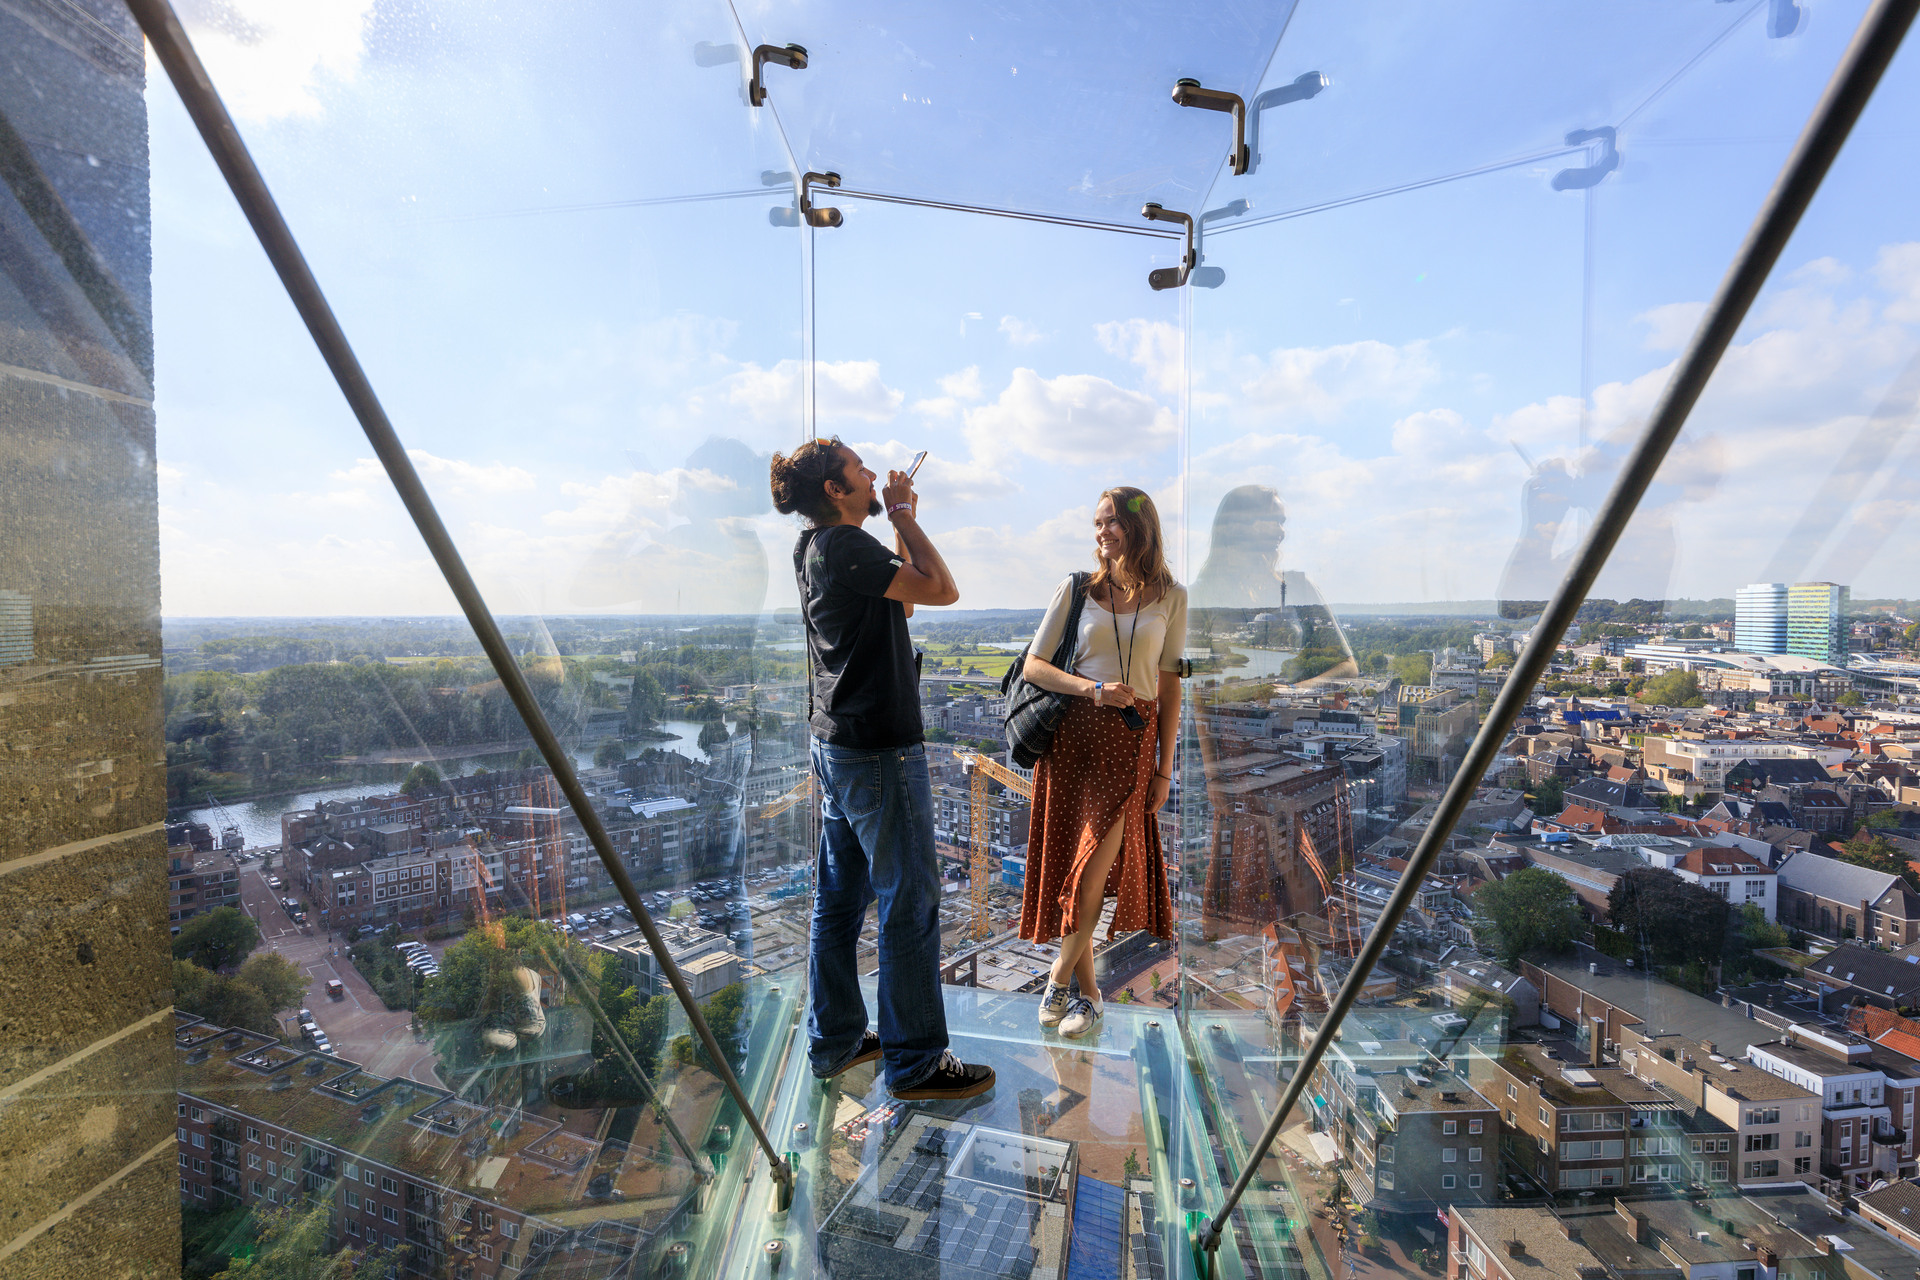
x=1096, y=791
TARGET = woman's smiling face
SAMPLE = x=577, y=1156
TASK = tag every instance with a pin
x=1109, y=535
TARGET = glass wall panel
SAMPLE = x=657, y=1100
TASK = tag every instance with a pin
x=1443, y=320
x=587, y=330
x=1038, y=369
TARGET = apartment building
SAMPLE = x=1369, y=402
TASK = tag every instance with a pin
x=1275, y=835
x=1866, y=1093
x=1575, y=1126
x=1769, y=1124
x=197, y=884
x=1412, y=1140
x=460, y=1186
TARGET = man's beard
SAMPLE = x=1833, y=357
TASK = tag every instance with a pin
x=873, y=506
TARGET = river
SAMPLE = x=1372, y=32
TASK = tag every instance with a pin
x=260, y=819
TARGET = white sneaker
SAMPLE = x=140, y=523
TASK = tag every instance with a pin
x=1053, y=1005
x=1083, y=1015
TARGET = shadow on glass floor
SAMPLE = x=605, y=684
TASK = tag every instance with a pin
x=1071, y=1167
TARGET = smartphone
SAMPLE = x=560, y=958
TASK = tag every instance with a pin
x=918, y=458
x=1133, y=717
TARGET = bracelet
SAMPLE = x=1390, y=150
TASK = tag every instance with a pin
x=1167, y=776
x=898, y=507
x=1098, y=685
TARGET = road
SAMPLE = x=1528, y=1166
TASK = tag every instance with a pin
x=359, y=1025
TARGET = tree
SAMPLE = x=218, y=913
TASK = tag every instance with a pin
x=713, y=733
x=1531, y=910
x=1674, y=689
x=280, y=982
x=726, y=1012
x=292, y=1245
x=1866, y=849
x=1852, y=698
x=218, y=939
x=609, y=754
x=1550, y=797
x=1673, y=921
x=422, y=777
x=1413, y=668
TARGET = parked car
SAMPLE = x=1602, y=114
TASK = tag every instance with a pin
x=336, y=989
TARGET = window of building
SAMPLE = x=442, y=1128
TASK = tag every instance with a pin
x=353, y=1199
x=253, y=1160
x=196, y=1113
x=1446, y=1181
x=1697, y=1144
x=1386, y=1153
x=1473, y=1155
x=350, y=1171
x=1719, y=1168
x=367, y=1176
x=1803, y=1139
x=1543, y=1116
x=253, y=1134
x=200, y=1191
x=272, y=1169
x=486, y=1251
x=511, y=1230
x=486, y=1222
x=353, y=1228
x=1473, y=1180
x=1475, y=1126
x=390, y=1213
x=273, y=1196
x=286, y=1145
x=389, y=1186
x=1449, y=1154
x=1449, y=1126
x=1512, y=1092
x=200, y=1140
x=1803, y=1164
x=256, y=1188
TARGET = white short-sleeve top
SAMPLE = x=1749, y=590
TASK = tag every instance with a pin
x=1155, y=639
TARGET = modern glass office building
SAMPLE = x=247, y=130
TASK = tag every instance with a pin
x=1816, y=621
x=1760, y=618
x=404, y=698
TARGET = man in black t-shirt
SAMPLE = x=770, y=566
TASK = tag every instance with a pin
x=876, y=813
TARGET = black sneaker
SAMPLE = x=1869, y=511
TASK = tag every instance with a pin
x=951, y=1079
x=869, y=1051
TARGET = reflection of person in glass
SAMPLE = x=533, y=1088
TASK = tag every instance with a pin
x=1243, y=572
x=1097, y=790
x=870, y=757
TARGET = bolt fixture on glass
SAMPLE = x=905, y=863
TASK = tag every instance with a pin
x=1188, y=93
x=791, y=55
x=1170, y=277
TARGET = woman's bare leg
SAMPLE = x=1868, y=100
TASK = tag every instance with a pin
x=1076, y=948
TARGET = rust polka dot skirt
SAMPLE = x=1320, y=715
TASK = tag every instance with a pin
x=1098, y=772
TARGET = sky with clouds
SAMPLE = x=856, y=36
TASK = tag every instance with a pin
x=556, y=241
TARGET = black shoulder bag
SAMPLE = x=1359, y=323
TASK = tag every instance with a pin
x=1034, y=714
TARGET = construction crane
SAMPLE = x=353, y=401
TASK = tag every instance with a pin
x=230, y=835
x=984, y=772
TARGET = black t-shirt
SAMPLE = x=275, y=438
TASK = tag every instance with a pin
x=865, y=689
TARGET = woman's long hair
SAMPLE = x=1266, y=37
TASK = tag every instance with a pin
x=1142, y=567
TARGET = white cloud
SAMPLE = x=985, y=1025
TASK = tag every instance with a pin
x=944, y=484
x=1898, y=271
x=462, y=477
x=1317, y=384
x=1669, y=327
x=1156, y=346
x=1074, y=418
x=964, y=385
x=1019, y=332
x=847, y=389
x=269, y=58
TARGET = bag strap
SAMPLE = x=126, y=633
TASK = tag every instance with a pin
x=806, y=620
x=1070, y=634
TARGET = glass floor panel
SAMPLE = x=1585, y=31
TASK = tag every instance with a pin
x=1082, y=1162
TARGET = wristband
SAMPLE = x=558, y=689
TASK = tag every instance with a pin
x=1098, y=685
x=899, y=506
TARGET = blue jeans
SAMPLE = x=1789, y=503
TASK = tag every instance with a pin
x=876, y=844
